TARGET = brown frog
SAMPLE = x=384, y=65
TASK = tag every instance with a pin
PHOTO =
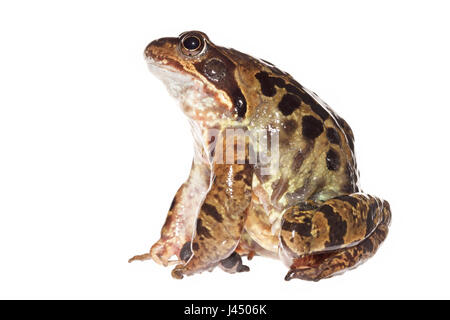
x=307, y=210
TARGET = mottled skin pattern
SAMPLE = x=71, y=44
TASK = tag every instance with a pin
x=310, y=211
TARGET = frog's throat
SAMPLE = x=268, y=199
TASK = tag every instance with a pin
x=198, y=101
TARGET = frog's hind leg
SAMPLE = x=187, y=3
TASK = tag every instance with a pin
x=320, y=241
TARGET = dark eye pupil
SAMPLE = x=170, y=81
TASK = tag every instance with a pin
x=191, y=43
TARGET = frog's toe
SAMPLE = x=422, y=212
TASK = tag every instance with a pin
x=309, y=267
x=164, y=250
x=233, y=264
x=243, y=268
x=304, y=274
x=141, y=257
x=155, y=255
x=178, y=272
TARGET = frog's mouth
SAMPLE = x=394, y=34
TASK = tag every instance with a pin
x=197, y=99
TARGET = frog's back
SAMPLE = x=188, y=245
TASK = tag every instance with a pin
x=316, y=146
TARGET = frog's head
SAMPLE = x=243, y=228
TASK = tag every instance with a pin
x=202, y=76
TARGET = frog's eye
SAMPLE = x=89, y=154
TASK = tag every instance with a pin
x=192, y=44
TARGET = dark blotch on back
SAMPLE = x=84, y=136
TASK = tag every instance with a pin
x=311, y=127
x=333, y=161
x=211, y=210
x=333, y=136
x=289, y=103
x=338, y=227
x=267, y=83
x=290, y=126
x=307, y=99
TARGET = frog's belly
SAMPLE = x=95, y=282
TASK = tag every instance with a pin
x=263, y=221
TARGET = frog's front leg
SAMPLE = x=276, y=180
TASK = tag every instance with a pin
x=318, y=241
x=177, y=229
x=221, y=218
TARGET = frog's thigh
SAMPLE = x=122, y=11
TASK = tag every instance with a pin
x=320, y=241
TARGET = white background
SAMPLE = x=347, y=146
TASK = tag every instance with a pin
x=92, y=148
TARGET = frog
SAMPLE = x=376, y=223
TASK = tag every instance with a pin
x=308, y=210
